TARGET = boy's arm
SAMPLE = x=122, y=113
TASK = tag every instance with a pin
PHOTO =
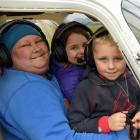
x=80, y=115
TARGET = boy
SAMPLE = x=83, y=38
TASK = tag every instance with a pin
x=102, y=102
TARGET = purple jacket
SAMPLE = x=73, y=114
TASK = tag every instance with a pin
x=68, y=78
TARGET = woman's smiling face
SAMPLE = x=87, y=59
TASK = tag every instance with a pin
x=31, y=54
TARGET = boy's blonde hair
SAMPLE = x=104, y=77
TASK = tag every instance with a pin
x=101, y=36
x=103, y=39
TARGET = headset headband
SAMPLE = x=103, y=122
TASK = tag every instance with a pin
x=70, y=25
x=9, y=24
x=99, y=33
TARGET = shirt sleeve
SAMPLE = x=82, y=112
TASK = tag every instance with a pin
x=37, y=113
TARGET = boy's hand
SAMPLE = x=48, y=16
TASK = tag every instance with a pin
x=117, y=121
x=136, y=120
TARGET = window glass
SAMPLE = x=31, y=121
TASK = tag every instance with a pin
x=131, y=12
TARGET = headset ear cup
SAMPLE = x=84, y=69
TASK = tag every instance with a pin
x=89, y=55
x=89, y=51
x=58, y=50
x=59, y=53
x=5, y=59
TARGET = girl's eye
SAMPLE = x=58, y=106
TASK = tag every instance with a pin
x=74, y=47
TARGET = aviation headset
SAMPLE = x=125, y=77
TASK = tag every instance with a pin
x=5, y=57
x=88, y=50
x=57, y=48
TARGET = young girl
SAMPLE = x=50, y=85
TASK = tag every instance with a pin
x=68, y=62
x=103, y=102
